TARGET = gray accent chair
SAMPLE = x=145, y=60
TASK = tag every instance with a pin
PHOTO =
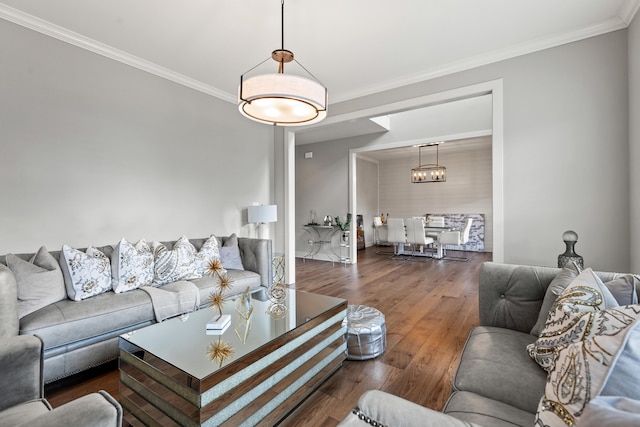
x=22, y=401
x=496, y=384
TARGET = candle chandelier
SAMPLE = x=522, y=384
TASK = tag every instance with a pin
x=428, y=172
x=279, y=98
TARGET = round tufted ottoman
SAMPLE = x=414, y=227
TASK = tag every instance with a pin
x=366, y=332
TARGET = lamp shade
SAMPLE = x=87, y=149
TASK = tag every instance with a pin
x=262, y=213
x=282, y=99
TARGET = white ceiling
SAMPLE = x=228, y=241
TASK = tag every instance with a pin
x=454, y=147
x=355, y=47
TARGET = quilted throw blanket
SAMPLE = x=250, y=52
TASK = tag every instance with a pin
x=173, y=299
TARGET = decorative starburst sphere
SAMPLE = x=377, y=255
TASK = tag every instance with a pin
x=219, y=351
x=216, y=300
x=214, y=267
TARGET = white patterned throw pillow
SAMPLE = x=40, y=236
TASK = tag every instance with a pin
x=175, y=264
x=209, y=252
x=85, y=273
x=584, y=368
x=131, y=266
x=570, y=317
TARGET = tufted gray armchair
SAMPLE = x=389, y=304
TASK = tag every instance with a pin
x=22, y=401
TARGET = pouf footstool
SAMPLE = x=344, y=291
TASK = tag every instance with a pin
x=366, y=332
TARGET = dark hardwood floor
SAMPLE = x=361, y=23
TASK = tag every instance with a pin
x=429, y=306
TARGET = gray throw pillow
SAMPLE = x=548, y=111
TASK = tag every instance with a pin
x=610, y=411
x=230, y=258
x=624, y=288
x=231, y=240
x=624, y=376
x=39, y=280
x=557, y=285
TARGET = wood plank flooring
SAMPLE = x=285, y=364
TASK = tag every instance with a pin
x=430, y=306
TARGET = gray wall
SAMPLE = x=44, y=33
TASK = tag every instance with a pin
x=634, y=138
x=93, y=150
x=367, y=197
x=565, y=119
x=330, y=165
x=321, y=185
x=466, y=191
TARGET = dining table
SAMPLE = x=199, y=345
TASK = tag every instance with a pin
x=430, y=231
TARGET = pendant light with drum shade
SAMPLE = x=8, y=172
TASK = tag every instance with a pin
x=282, y=99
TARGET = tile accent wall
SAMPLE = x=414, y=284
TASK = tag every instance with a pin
x=476, y=235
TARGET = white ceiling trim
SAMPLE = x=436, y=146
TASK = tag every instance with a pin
x=629, y=10
x=47, y=28
x=612, y=24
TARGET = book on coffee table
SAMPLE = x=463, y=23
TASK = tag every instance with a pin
x=219, y=322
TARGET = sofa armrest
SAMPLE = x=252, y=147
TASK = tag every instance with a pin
x=257, y=257
x=96, y=409
x=386, y=409
x=510, y=296
x=9, y=323
x=21, y=377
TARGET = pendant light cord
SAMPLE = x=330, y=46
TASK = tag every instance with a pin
x=282, y=23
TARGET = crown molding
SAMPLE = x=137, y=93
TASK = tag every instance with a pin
x=628, y=10
x=608, y=26
x=49, y=29
x=626, y=15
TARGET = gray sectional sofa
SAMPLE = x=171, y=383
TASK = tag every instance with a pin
x=497, y=383
x=78, y=335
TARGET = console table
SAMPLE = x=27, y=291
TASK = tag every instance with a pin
x=321, y=239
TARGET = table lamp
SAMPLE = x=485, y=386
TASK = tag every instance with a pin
x=262, y=214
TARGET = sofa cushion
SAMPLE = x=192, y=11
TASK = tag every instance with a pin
x=570, y=316
x=557, y=285
x=39, y=281
x=131, y=266
x=9, y=323
x=481, y=410
x=66, y=322
x=611, y=412
x=22, y=414
x=509, y=296
x=230, y=257
x=583, y=368
x=624, y=289
x=85, y=273
x=175, y=264
x=239, y=280
x=495, y=364
x=377, y=408
x=209, y=252
x=232, y=240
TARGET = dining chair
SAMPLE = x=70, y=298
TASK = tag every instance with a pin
x=457, y=238
x=416, y=235
x=396, y=234
x=381, y=234
x=435, y=221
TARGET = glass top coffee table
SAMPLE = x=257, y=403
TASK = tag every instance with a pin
x=278, y=358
